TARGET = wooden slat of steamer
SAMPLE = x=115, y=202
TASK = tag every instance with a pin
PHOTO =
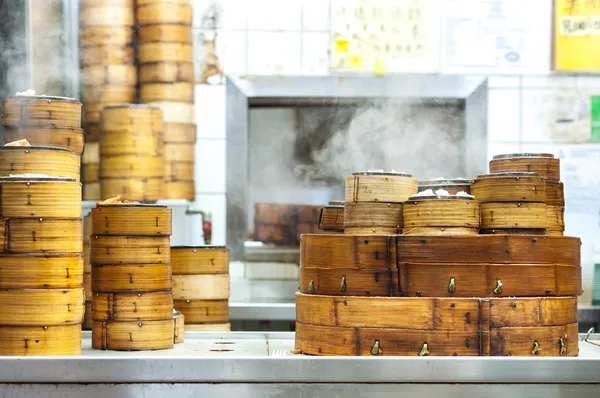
x=135, y=166
x=166, y=72
x=531, y=312
x=201, y=287
x=164, y=13
x=39, y=111
x=91, y=191
x=178, y=327
x=109, y=74
x=349, y=282
x=136, y=118
x=514, y=187
x=87, y=284
x=179, y=171
x=176, y=112
x=60, y=271
x=348, y=251
x=92, y=113
x=165, y=52
x=43, y=235
x=546, y=165
x=179, y=92
x=177, y=152
x=513, y=215
x=180, y=133
x=135, y=306
x=40, y=198
x=208, y=327
x=555, y=219
x=87, y=317
x=439, y=231
x=440, y=212
x=108, y=93
x=68, y=138
x=555, y=195
x=521, y=341
x=203, y=311
x=510, y=249
x=141, y=189
x=380, y=188
x=482, y=280
x=106, y=55
x=132, y=336
x=41, y=307
x=376, y=218
x=115, y=143
x=106, y=16
x=165, y=33
x=514, y=231
x=40, y=340
x=102, y=35
x=332, y=218
x=188, y=260
x=131, y=277
x=92, y=133
x=53, y=162
x=132, y=220
x=130, y=249
x=180, y=190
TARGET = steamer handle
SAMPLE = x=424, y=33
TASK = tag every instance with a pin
x=205, y=224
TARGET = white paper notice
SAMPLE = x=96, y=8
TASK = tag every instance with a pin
x=496, y=36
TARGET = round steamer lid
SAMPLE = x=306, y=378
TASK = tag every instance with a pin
x=129, y=205
x=199, y=247
x=524, y=155
x=435, y=197
x=18, y=178
x=510, y=174
x=37, y=148
x=132, y=106
x=381, y=173
x=41, y=97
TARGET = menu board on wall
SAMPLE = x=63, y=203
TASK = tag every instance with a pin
x=496, y=36
x=385, y=36
x=577, y=35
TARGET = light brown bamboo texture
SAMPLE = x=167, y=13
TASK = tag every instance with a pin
x=178, y=92
x=33, y=235
x=108, y=93
x=131, y=278
x=91, y=191
x=208, y=327
x=108, y=16
x=332, y=218
x=133, y=336
x=373, y=218
x=203, y=311
x=106, y=55
x=109, y=74
x=40, y=199
x=91, y=153
x=166, y=72
x=135, y=306
x=53, y=162
x=68, y=138
x=40, y=340
x=180, y=190
x=178, y=327
x=179, y=171
x=380, y=188
x=200, y=260
x=463, y=213
x=180, y=132
x=513, y=215
x=87, y=317
x=41, y=307
x=92, y=133
x=523, y=188
x=132, y=118
x=555, y=195
x=440, y=231
x=201, y=287
x=179, y=152
x=165, y=33
x=134, y=166
x=127, y=143
x=547, y=166
x=102, y=35
x=165, y=52
x=130, y=250
x=36, y=111
x=164, y=13
x=142, y=189
x=555, y=219
x=19, y=271
x=176, y=112
x=132, y=220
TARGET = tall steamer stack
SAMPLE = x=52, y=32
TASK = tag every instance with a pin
x=108, y=73
x=132, y=306
x=41, y=259
x=166, y=75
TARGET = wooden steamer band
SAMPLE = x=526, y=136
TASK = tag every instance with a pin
x=150, y=221
x=102, y=35
x=41, y=111
x=452, y=215
x=203, y=311
x=546, y=165
x=53, y=162
x=166, y=72
x=106, y=15
x=165, y=33
x=41, y=271
x=380, y=187
x=171, y=91
x=373, y=218
x=106, y=55
x=62, y=137
x=133, y=306
x=40, y=340
x=200, y=260
x=22, y=197
x=438, y=326
x=283, y=223
x=164, y=13
x=108, y=75
x=108, y=93
x=509, y=187
x=201, y=287
x=41, y=235
x=41, y=307
x=133, y=335
x=165, y=52
x=180, y=132
x=144, y=189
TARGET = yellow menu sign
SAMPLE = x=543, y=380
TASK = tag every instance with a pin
x=577, y=35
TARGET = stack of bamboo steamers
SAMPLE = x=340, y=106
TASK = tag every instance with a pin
x=108, y=73
x=41, y=264
x=445, y=286
x=166, y=74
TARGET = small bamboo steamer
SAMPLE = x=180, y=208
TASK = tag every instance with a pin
x=131, y=278
x=41, y=111
x=141, y=189
x=175, y=92
x=135, y=306
x=164, y=13
x=176, y=112
x=43, y=235
x=434, y=211
x=509, y=187
x=90, y=173
x=175, y=152
x=166, y=72
x=91, y=154
x=165, y=52
x=106, y=16
x=180, y=190
x=555, y=195
x=87, y=317
x=179, y=171
x=134, y=118
x=513, y=215
x=68, y=138
x=108, y=93
x=178, y=327
x=440, y=231
x=115, y=143
x=451, y=185
x=40, y=340
x=194, y=260
x=180, y=133
x=203, y=311
x=208, y=327
x=388, y=187
x=133, y=335
x=109, y=75
x=137, y=220
x=106, y=35
x=556, y=220
x=332, y=218
x=39, y=197
x=165, y=33
x=106, y=250
x=201, y=287
x=91, y=191
x=92, y=132
x=545, y=164
x=373, y=218
x=34, y=271
x=136, y=166
x=41, y=307
x=106, y=55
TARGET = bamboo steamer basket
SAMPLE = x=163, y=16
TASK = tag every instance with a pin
x=136, y=306
x=178, y=327
x=106, y=55
x=180, y=133
x=349, y=282
x=450, y=214
x=179, y=152
x=91, y=154
x=451, y=185
x=108, y=93
x=176, y=112
x=493, y=249
x=545, y=164
x=92, y=132
x=40, y=271
x=106, y=35
x=165, y=33
x=133, y=219
x=50, y=161
x=87, y=283
x=373, y=218
x=40, y=340
x=115, y=143
x=133, y=118
x=203, y=311
x=90, y=172
x=388, y=187
x=442, y=231
x=201, y=287
x=556, y=220
x=514, y=231
x=179, y=171
x=107, y=250
x=133, y=335
x=175, y=92
x=106, y=15
x=555, y=195
x=208, y=327
x=180, y=190
x=135, y=166
x=284, y=223
x=509, y=187
x=35, y=197
x=332, y=218
x=131, y=278
x=41, y=111
x=87, y=317
x=166, y=72
x=41, y=307
x=164, y=13
x=109, y=75
x=68, y=138
x=42, y=235
x=193, y=260
x=91, y=191
x=165, y=52
x=513, y=215
x=142, y=189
